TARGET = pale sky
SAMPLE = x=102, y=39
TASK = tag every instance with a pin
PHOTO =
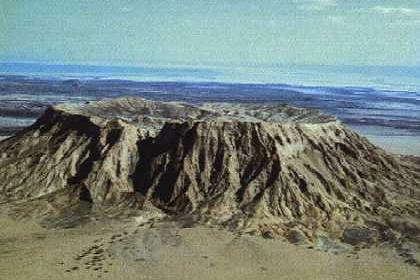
x=211, y=32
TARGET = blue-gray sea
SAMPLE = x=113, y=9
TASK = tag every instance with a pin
x=380, y=102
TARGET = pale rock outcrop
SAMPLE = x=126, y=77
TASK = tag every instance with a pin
x=266, y=167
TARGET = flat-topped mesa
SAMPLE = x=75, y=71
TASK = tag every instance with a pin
x=145, y=112
x=246, y=166
x=147, y=115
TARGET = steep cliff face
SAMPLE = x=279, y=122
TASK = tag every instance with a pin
x=244, y=166
x=89, y=156
x=267, y=174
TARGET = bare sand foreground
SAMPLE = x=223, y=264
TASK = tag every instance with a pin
x=116, y=250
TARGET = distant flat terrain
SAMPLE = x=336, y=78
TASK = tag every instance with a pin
x=390, y=119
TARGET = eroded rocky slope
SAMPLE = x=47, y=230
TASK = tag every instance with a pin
x=269, y=168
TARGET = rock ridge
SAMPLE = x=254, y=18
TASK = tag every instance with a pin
x=244, y=166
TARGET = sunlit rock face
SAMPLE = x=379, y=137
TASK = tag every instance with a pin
x=251, y=167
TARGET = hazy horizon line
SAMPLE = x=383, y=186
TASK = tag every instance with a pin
x=192, y=65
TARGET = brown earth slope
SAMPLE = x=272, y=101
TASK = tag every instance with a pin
x=270, y=168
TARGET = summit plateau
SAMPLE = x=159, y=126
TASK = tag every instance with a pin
x=268, y=168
